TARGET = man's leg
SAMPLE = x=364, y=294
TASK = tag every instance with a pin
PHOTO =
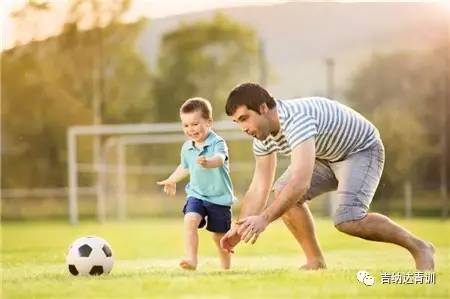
x=377, y=227
x=358, y=178
x=300, y=222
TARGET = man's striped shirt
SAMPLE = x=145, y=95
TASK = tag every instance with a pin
x=338, y=130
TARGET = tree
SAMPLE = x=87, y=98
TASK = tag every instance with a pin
x=203, y=59
x=401, y=93
x=401, y=132
x=48, y=86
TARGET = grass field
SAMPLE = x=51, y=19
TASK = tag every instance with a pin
x=147, y=253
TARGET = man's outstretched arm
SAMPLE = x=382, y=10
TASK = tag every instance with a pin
x=255, y=198
x=258, y=192
x=302, y=165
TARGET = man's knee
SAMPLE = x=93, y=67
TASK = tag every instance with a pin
x=344, y=227
x=346, y=214
x=351, y=226
x=287, y=217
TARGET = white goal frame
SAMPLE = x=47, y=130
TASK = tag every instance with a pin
x=121, y=136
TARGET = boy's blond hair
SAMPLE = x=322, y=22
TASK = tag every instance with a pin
x=197, y=104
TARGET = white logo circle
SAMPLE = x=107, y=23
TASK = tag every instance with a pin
x=361, y=274
x=369, y=280
x=365, y=278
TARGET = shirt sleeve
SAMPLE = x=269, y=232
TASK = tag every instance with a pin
x=184, y=161
x=259, y=149
x=221, y=148
x=299, y=129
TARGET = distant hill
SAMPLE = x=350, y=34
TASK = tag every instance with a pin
x=298, y=37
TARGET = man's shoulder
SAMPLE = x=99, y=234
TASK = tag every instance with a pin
x=301, y=101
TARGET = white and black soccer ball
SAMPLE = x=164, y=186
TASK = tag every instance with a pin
x=90, y=255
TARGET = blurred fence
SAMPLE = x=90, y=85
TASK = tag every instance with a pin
x=122, y=183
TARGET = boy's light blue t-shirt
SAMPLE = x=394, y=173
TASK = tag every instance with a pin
x=211, y=184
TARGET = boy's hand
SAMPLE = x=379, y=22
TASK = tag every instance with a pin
x=203, y=161
x=170, y=187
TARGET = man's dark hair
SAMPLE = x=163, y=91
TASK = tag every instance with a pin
x=251, y=95
x=197, y=104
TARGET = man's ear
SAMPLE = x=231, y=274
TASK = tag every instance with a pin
x=263, y=108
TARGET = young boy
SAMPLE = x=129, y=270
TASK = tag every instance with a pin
x=209, y=192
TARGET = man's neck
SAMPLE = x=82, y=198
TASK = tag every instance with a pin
x=275, y=120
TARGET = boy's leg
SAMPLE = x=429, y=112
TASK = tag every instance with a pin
x=225, y=256
x=219, y=222
x=191, y=222
x=299, y=220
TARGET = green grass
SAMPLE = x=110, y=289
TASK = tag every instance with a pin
x=147, y=253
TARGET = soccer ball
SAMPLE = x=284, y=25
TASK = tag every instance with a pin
x=90, y=255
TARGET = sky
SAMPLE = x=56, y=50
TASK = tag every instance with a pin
x=48, y=24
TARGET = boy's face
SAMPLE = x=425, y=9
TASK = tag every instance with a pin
x=195, y=126
x=252, y=123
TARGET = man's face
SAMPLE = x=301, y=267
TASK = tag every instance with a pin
x=252, y=123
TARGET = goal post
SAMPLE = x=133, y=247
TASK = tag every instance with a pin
x=120, y=136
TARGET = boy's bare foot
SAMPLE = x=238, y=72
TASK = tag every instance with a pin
x=317, y=265
x=424, y=256
x=187, y=265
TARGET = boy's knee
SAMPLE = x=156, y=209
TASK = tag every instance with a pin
x=192, y=218
x=217, y=236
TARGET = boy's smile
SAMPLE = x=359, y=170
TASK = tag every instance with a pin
x=195, y=126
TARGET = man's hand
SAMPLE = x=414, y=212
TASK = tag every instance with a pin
x=230, y=239
x=170, y=187
x=251, y=227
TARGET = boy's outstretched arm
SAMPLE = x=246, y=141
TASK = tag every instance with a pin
x=212, y=162
x=170, y=183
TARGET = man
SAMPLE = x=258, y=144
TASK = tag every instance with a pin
x=332, y=147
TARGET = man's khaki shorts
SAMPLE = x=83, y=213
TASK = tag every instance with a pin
x=355, y=179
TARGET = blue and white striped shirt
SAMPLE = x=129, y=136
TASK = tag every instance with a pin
x=338, y=130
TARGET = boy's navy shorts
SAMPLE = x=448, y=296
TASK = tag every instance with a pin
x=216, y=217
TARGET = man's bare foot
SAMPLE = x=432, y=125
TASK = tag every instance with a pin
x=317, y=265
x=424, y=256
x=187, y=265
